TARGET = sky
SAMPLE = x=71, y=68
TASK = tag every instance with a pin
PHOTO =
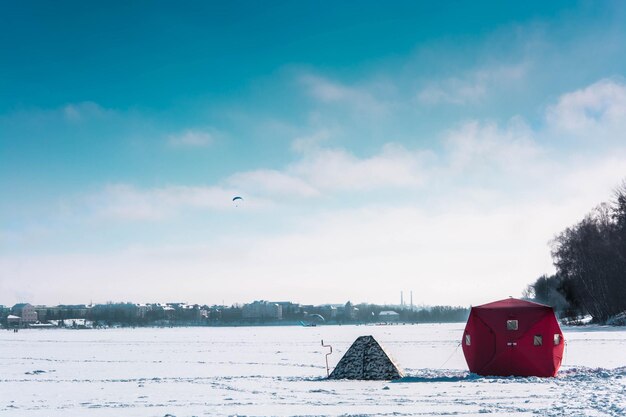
x=432, y=147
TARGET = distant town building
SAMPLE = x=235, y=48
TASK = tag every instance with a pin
x=188, y=312
x=183, y=314
x=26, y=312
x=13, y=321
x=262, y=310
x=290, y=310
x=168, y=311
x=388, y=316
x=142, y=310
x=328, y=312
x=350, y=312
x=60, y=312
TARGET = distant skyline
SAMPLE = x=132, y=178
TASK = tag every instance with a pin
x=377, y=147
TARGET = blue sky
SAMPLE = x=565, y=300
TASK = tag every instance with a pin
x=378, y=148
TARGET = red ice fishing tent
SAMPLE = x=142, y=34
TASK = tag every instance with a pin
x=513, y=337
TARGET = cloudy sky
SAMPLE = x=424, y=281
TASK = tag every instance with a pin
x=428, y=146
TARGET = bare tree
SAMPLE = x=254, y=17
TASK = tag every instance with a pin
x=590, y=258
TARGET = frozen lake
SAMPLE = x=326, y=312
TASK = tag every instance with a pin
x=259, y=371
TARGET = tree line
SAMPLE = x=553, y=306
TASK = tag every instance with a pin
x=367, y=313
x=590, y=261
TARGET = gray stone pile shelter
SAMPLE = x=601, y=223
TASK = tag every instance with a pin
x=366, y=360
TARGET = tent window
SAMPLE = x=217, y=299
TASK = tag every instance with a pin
x=538, y=340
x=468, y=340
x=557, y=339
x=511, y=324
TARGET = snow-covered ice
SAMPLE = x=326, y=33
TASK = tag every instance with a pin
x=260, y=371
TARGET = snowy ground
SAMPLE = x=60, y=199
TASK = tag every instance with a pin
x=280, y=371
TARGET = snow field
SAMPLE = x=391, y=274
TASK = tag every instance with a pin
x=259, y=371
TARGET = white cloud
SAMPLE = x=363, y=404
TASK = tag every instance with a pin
x=451, y=255
x=460, y=238
x=474, y=153
x=307, y=143
x=328, y=91
x=471, y=88
x=361, y=99
x=126, y=202
x=191, y=139
x=320, y=171
x=272, y=182
x=478, y=147
x=601, y=105
x=453, y=90
x=76, y=112
x=336, y=169
x=592, y=178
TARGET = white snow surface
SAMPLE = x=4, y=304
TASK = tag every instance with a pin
x=280, y=371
